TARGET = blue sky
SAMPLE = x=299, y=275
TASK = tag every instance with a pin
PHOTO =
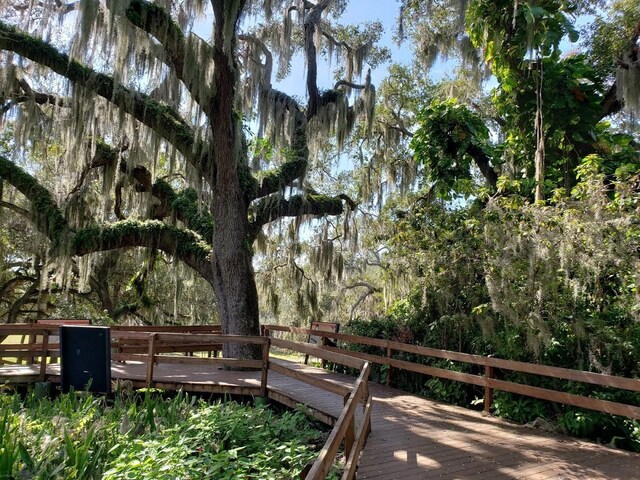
x=357, y=12
x=386, y=11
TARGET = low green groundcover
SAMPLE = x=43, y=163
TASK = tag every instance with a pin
x=148, y=436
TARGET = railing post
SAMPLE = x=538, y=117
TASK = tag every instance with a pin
x=324, y=342
x=43, y=359
x=389, y=355
x=365, y=399
x=265, y=367
x=32, y=341
x=151, y=358
x=350, y=434
x=488, y=391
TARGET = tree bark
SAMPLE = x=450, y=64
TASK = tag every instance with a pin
x=234, y=280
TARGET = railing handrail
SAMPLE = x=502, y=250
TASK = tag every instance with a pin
x=327, y=454
x=27, y=329
x=167, y=328
x=337, y=357
x=489, y=363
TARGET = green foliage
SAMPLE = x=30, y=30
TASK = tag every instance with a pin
x=609, y=34
x=9, y=452
x=149, y=437
x=554, y=284
x=519, y=409
x=508, y=35
x=448, y=131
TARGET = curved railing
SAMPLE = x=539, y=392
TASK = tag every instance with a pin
x=489, y=364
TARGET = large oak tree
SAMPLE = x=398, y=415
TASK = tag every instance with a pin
x=137, y=100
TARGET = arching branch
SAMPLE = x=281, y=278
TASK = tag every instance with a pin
x=159, y=117
x=272, y=208
x=156, y=21
x=183, y=244
x=48, y=219
x=44, y=211
x=345, y=83
x=370, y=291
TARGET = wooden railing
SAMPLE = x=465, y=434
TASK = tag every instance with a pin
x=489, y=365
x=158, y=348
x=124, y=340
x=155, y=347
x=34, y=347
x=345, y=429
x=159, y=345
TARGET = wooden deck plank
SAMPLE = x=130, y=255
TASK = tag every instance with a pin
x=19, y=373
x=417, y=438
x=411, y=438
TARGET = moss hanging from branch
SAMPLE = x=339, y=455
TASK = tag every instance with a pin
x=45, y=212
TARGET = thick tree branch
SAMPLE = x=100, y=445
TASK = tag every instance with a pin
x=44, y=211
x=16, y=307
x=278, y=178
x=272, y=208
x=183, y=244
x=484, y=165
x=311, y=23
x=156, y=21
x=345, y=83
x=159, y=117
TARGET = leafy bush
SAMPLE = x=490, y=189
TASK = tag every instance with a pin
x=146, y=436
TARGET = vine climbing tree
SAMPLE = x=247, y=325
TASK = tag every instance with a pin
x=154, y=128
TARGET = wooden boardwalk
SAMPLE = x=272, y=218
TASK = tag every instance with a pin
x=415, y=438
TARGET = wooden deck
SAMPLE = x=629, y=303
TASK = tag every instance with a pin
x=416, y=438
x=412, y=438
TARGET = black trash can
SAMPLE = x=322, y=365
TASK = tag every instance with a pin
x=85, y=358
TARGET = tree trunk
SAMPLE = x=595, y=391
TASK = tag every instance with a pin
x=234, y=281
